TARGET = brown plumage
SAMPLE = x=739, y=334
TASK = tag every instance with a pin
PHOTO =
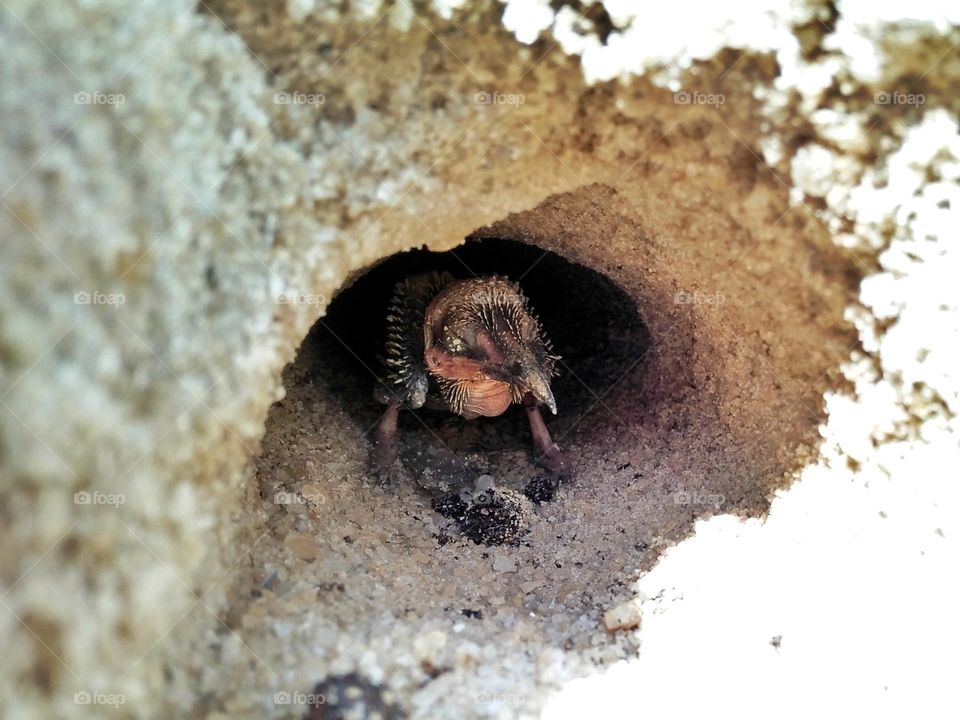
x=474, y=344
x=471, y=347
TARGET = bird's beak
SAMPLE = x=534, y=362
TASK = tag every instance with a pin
x=539, y=387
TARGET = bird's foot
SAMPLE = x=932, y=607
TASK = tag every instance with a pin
x=384, y=464
x=383, y=457
x=549, y=455
x=553, y=460
x=543, y=488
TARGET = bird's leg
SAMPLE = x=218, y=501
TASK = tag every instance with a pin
x=385, y=441
x=548, y=452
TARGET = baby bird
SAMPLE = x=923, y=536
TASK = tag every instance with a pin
x=471, y=347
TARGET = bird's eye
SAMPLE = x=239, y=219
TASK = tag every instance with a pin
x=516, y=368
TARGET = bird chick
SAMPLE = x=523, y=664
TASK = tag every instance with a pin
x=471, y=347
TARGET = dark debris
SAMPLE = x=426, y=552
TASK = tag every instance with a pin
x=495, y=517
x=543, y=488
x=343, y=697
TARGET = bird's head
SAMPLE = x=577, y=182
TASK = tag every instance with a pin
x=486, y=349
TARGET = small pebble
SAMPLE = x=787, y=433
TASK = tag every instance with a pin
x=624, y=616
x=302, y=546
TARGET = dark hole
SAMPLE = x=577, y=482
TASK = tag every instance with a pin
x=594, y=325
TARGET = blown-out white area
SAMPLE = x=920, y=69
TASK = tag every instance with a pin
x=852, y=575
x=668, y=37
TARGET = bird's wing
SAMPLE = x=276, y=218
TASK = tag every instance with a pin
x=406, y=373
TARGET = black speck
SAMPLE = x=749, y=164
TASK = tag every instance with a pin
x=475, y=614
x=213, y=282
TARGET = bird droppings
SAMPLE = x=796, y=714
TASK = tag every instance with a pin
x=542, y=488
x=490, y=517
x=497, y=517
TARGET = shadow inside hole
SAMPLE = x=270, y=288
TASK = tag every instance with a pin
x=595, y=327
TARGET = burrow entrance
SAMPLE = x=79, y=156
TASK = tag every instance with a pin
x=595, y=327
x=691, y=387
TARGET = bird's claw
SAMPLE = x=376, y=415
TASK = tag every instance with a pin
x=553, y=460
x=383, y=462
x=383, y=458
